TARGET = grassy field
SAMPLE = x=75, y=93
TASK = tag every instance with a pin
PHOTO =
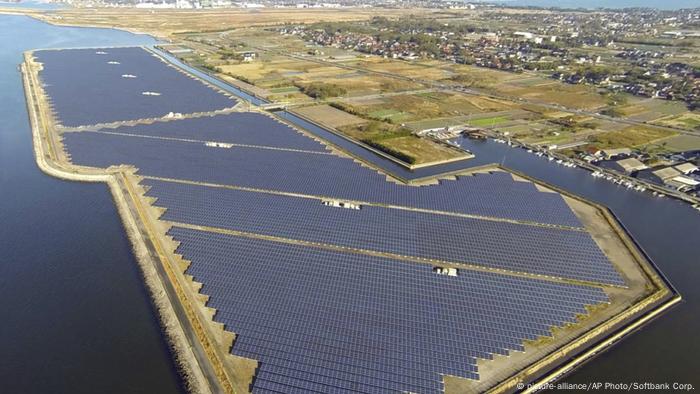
x=527, y=85
x=411, y=108
x=401, y=143
x=630, y=137
x=488, y=122
x=281, y=72
x=406, y=69
x=437, y=123
x=688, y=120
x=679, y=143
x=423, y=150
x=554, y=92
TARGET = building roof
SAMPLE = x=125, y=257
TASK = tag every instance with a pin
x=686, y=180
x=667, y=173
x=631, y=164
x=616, y=152
x=682, y=183
x=686, y=168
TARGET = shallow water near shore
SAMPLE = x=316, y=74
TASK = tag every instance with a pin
x=76, y=316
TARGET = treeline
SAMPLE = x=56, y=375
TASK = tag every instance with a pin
x=321, y=90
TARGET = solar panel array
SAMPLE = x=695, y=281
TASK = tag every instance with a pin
x=534, y=249
x=91, y=86
x=319, y=319
x=327, y=321
x=496, y=195
x=237, y=128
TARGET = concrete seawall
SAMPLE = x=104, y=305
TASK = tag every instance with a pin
x=192, y=366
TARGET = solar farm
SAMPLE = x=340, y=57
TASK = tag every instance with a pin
x=331, y=276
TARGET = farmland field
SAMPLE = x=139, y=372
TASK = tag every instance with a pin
x=329, y=116
x=629, y=137
x=689, y=120
x=679, y=143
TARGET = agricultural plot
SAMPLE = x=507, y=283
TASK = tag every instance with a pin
x=478, y=77
x=552, y=92
x=280, y=72
x=329, y=116
x=488, y=122
x=649, y=110
x=406, y=69
x=679, y=143
x=438, y=123
x=687, y=120
x=633, y=136
x=412, y=108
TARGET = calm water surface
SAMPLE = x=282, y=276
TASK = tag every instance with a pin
x=74, y=314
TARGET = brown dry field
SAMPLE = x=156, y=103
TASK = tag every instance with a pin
x=169, y=21
x=403, y=68
x=424, y=150
x=329, y=116
x=280, y=71
x=554, y=92
x=630, y=137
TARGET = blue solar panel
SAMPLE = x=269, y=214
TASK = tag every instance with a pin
x=237, y=128
x=496, y=195
x=91, y=86
x=327, y=321
x=525, y=248
x=319, y=319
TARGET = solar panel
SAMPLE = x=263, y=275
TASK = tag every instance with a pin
x=92, y=86
x=524, y=248
x=333, y=305
x=496, y=195
x=328, y=321
x=236, y=127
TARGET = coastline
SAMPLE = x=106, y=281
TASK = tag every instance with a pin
x=170, y=322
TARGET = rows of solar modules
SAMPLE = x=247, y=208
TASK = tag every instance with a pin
x=237, y=128
x=91, y=86
x=525, y=248
x=496, y=195
x=325, y=321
